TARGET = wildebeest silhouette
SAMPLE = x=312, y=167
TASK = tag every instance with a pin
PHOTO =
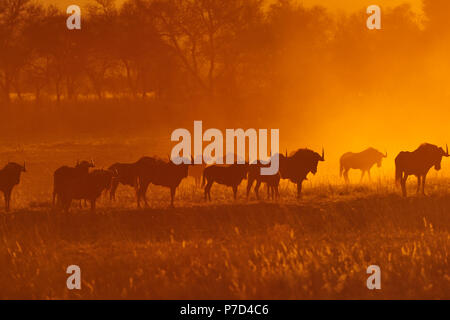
x=10, y=177
x=65, y=174
x=161, y=173
x=418, y=163
x=124, y=173
x=272, y=181
x=229, y=175
x=297, y=166
x=87, y=186
x=363, y=160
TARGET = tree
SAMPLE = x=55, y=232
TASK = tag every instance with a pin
x=14, y=16
x=98, y=43
x=199, y=32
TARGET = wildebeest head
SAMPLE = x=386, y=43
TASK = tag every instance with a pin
x=15, y=167
x=317, y=159
x=438, y=157
x=113, y=169
x=314, y=161
x=14, y=171
x=380, y=157
x=297, y=166
x=85, y=164
x=181, y=165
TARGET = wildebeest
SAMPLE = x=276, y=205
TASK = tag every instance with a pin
x=272, y=181
x=418, y=163
x=124, y=173
x=85, y=187
x=297, y=166
x=363, y=160
x=229, y=175
x=160, y=173
x=10, y=177
x=63, y=175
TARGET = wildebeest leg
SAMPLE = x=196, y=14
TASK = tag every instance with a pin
x=8, y=199
x=66, y=204
x=258, y=184
x=112, y=192
x=144, y=195
x=423, y=184
x=346, y=175
x=363, y=172
x=403, y=183
x=138, y=196
x=92, y=205
x=299, y=189
x=277, y=194
x=235, y=188
x=418, y=184
x=141, y=193
x=105, y=194
x=6, y=202
x=172, y=195
x=368, y=173
x=208, y=190
x=136, y=190
x=249, y=186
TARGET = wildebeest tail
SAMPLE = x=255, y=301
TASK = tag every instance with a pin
x=341, y=168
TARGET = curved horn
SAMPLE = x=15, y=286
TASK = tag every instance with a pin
x=323, y=155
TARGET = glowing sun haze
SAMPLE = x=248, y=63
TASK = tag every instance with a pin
x=384, y=113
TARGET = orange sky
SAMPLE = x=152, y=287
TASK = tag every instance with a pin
x=345, y=5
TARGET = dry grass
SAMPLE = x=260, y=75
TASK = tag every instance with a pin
x=318, y=247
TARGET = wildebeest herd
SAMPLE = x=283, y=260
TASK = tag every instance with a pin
x=83, y=182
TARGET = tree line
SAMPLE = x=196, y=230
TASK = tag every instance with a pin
x=243, y=50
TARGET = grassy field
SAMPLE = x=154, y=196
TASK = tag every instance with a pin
x=318, y=247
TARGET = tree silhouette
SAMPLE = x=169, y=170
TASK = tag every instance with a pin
x=14, y=15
